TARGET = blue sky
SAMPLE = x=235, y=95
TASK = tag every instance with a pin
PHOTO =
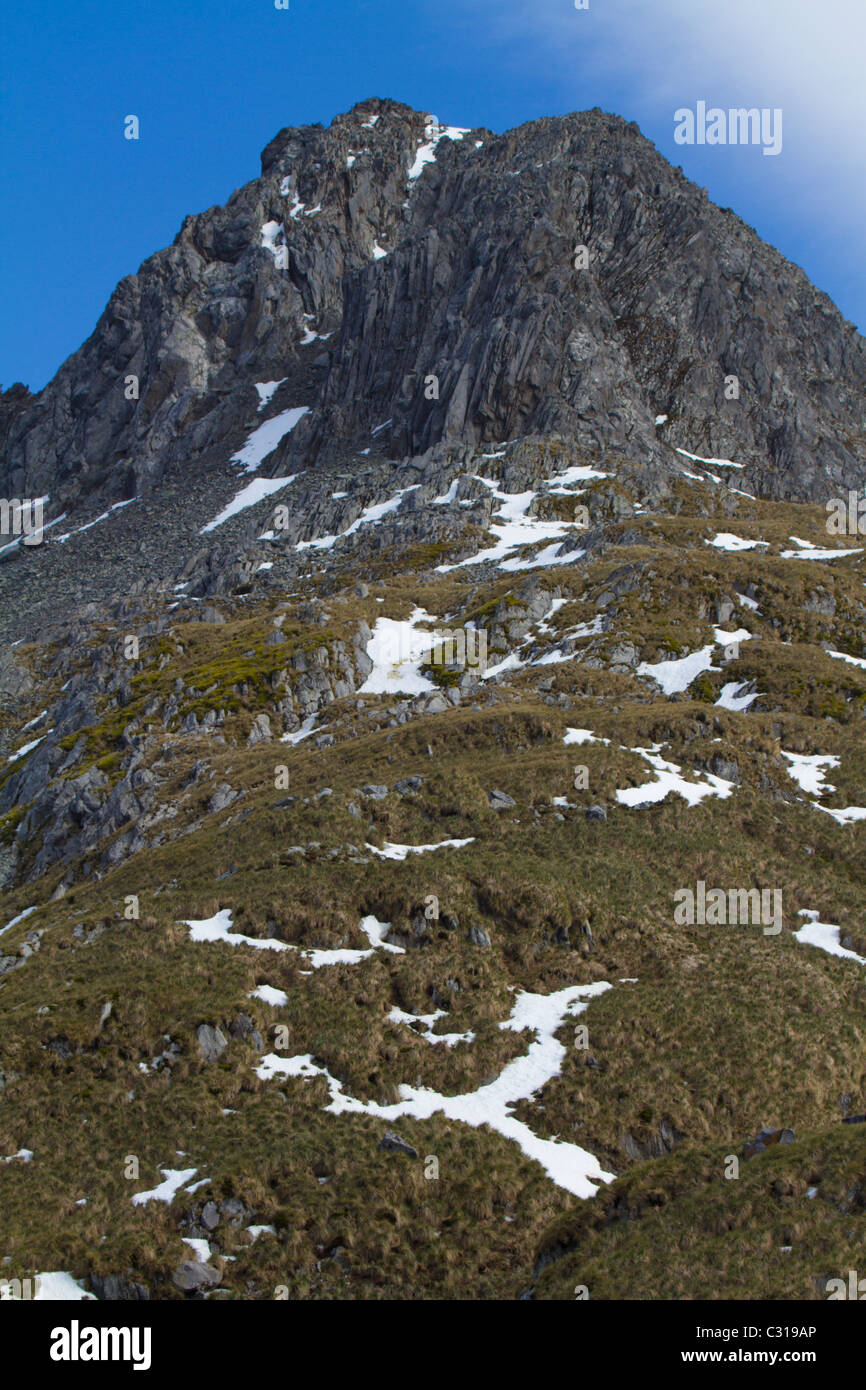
x=213, y=80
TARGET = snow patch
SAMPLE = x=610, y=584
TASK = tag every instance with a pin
x=734, y=696
x=426, y=152
x=308, y=727
x=400, y=852
x=218, y=928
x=427, y=1022
x=88, y=525
x=824, y=935
x=668, y=780
x=25, y=749
x=580, y=736
x=270, y=995
x=725, y=540
x=852, y=660
x=166, y=1191
x=20, y=918
x=677, y=675
x=266, y=389
x=274, y=240
x=249, y=496
x=57, y=1286
x=569, y=1166
x=716, y=463
x=813, y=553
x=200, y=1248
x=369, y=517
x=515, y=530
x=265, y=439
x=807, y=770
x=396, y=649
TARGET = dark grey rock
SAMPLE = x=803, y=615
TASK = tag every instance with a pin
x=726, y=768
x=408, y=786
x=261, y=729
x=211, y=1041
x=435, y=704
x=210, y=1217
x=624, y=654
x=192, y=1275
x=233, y=1210
x=222, y=797
x=392, y=1143
x=243, y=1027
x=115, y=1288
x=766, y=1139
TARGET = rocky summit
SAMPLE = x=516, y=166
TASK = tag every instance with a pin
x=433, y=781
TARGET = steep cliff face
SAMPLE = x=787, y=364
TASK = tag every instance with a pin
x=236, y=299
x=386, y=250
x=678, y=295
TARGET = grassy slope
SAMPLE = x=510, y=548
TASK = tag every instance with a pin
x=725, y=1030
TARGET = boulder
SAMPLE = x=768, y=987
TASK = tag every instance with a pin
x=210, y=1217
x=192, y=1275
x=222, y=797
x=408, y=786
x=374, y=792
x=211, y=1041
x=261, y=729
x=766, y=1139
x=392, y=1143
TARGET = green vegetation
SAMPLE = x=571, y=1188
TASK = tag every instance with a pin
x=704, y=1036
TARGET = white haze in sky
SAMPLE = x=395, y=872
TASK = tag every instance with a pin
x=805, y=56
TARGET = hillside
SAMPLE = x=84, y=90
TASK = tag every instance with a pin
x=336, y=964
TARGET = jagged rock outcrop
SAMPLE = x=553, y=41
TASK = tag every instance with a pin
x=414, y=252
x=232, y=301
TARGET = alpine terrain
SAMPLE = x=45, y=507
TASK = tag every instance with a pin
x=432, y=773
